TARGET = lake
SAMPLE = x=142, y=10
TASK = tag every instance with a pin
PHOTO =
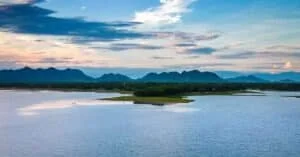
x=76, y=124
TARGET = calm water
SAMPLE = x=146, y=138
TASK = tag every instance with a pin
x=57, y=124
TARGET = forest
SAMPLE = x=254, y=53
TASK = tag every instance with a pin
x=158, y=89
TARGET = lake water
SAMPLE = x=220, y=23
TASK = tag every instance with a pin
x=76, y=124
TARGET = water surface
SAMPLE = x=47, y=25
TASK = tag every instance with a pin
x=76, y=124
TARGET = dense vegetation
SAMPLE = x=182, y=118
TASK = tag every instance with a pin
x=151, y=100
x=159, y=89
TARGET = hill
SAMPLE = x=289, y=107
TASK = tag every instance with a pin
x=295, y=76
x=50, y=75
x=247, y=79
x=114, y=78
x=186, y=76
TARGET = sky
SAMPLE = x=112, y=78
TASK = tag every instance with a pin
x=135, y=36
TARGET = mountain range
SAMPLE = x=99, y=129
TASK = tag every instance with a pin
x=29, y=75
x=185, y=76
x=273, y=77
x=53, y=75
x=247, y=79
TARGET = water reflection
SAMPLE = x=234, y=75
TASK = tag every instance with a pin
x=35, y=109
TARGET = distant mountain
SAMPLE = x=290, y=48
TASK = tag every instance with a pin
x=286, y=81
x=50, y=75
x=186, y=76
x=247, y=79
x=114, y=78
x=295, y=76
x=274, y=77
x=228, y=74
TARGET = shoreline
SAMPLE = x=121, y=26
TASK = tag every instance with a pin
x=151, y=100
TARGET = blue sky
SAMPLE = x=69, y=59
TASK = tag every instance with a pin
x=214, y=35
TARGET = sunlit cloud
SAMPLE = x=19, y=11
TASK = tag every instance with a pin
x=288, y=65
x=83, y=8
x=14, y=2
x=43, y=51
x=169, y=12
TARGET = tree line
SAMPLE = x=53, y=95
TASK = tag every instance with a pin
x=159, y=89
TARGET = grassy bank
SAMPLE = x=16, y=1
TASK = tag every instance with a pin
x=151, y=100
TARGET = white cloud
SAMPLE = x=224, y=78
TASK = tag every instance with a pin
x=83, y=8
x=169, y=12
x=10, y=2
x=288, y=65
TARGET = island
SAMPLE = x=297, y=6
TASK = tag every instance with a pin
x=157, y=101
x=159, y=93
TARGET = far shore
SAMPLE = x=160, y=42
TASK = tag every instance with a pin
x=131, y=92
x=149, y=99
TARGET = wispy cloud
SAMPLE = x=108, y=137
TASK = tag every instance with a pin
x=201, y=50
x=130, y=46
x=161, y=57
x=185, y=45
x=286, y=48
x=169, y=12
x=276, y=51
x=199, y=65
x=239, y=55
x=186, y=36
x=15, y=2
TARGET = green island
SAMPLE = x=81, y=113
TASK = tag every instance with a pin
x=159, y=101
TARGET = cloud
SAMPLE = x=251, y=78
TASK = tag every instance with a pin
x=199, y=65
x=185, y=45
x=41, y=51
x=186, y=37
x=274, y=52
x=30, y=19
x=83, y=8
x=169, y=12
x=202, y=50
x=53, y=60
x=275, y=66
x=242, y=55
x=283, y=48
x=7, y=64
x=161, y=57
x=130, y=46
x=288, y=65
x=20, y=2
x=279, y=54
